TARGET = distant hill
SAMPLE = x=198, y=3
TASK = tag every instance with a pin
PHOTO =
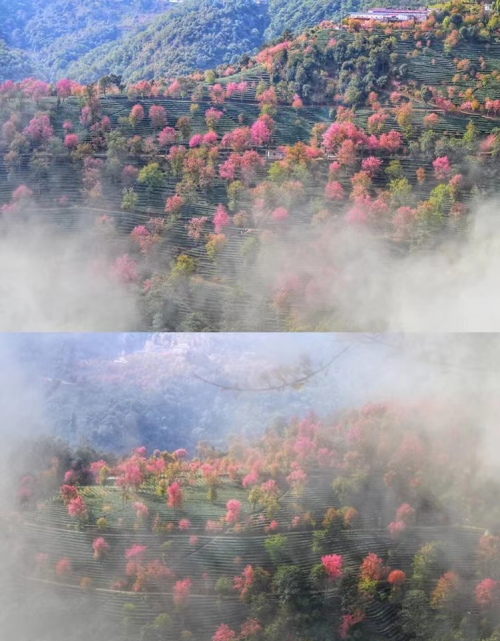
x=199, y=34
x=15, y=64
x=56, y=32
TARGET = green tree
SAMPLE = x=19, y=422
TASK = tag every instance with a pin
x=152, y=177
x=130, y=199
x=276, y=548
x=416, y=616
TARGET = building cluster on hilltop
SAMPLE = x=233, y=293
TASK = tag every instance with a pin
x=392, y=15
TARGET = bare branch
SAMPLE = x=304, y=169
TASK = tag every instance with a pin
x=298, y=382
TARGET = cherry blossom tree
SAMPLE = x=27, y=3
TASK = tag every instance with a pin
x=158, y=116
x=174, y=205
x=101, y=547
x=279, y=214
x=212, y=117
x=167, y=136
x=224, y=633
x=221, y=218
x=63, y=566
x=39, y=129
x=371, y=165
x=174, y=495
x=260, y=132
x=391, y=141
x=333, y=565
x=334, y=191
x=487, y=593
x=77, y=508
x=442, y=168
x=64, y=88
x=71, y=141
x=348, y=621
x=196, y=140
x=195, y=227
x=182, y=592
x=136, y=114
x=233, y=511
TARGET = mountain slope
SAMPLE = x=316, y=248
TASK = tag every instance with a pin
x=199, y=34
x=15, y=64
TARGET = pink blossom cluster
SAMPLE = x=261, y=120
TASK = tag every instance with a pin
x=333, y=565
x=233, y=511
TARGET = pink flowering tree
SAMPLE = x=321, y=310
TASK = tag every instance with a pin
x=196, y=140
x=136, y=552
x=487, y=593
x=136, y=114
x=279, y=215
x=371, y=165
x=391, y=141
x=221, y=218
x=442, y=168
x=125, y=269
x=86, y=116
x=63, y=566
x=333, y=565
x=348, y=621
x=334, y=191
x=212, y=117
x=101, y=547
x=174, y=495
x=182, y=593
x=158, y=116
x=250, y=629
x=174, y=204
x=78, y=509
x=260, y=133
x=68, y=493
x=39, y=129
x=229, y=168
x=195, y=227
x=217, y=93
x=233, y=511
x=141, y=511
x=21, y=194
x=224, y=633
x=129, y=175
x=250, y=163
x=63, y=88
x=167, y=136
x=371, y=573
x=71, y=141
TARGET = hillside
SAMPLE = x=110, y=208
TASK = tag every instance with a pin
x=370, y=526
x=200, y=34
x=222, y=195
x=149, y=38
x=15, y=64
x=54, y=34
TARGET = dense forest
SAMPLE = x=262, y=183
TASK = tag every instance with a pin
x=199, y=35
